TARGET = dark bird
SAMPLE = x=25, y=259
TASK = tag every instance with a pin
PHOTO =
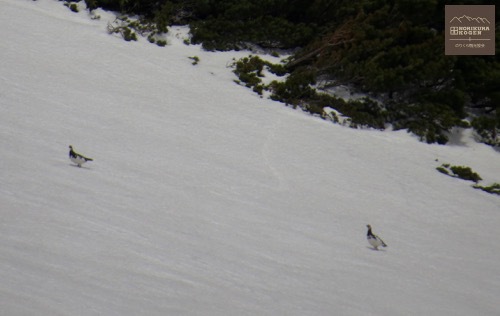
x=373, y=239
x=77, y=158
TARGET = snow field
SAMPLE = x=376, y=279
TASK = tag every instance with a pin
x=204, y=199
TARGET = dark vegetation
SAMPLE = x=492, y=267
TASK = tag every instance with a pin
x=462, y=172
x=392, y=50
x=466, y=173
x=492, y=189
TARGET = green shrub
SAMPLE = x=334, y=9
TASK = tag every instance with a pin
x=250, y=79
x=195, y=60
x=296, y=89
x=232, y=31
x=163, y=16
x=249, y=65
x=259, y=89
x=430, y=121
x=123, y=27
x=249, y=71
x=443, y=170
x=277, y=69
x=465, y=173
x=91, y=4
x=493, y=189
x=129, y=35
x=488, y=128
x=461, y=172
x=72, y=6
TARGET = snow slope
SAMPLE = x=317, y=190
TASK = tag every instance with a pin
x=204, y=199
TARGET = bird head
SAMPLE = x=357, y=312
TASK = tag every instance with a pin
x=368, y=226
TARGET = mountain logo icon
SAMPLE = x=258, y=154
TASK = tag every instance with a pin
x=467, y=18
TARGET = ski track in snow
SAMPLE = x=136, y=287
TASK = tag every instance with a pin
x=204, y=199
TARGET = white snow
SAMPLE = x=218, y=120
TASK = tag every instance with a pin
x=204, y=199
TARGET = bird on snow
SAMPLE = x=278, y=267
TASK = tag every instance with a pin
x=77, y=158
x=374, y=240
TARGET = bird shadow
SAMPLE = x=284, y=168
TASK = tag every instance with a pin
x=76, y=166
x=373, y=249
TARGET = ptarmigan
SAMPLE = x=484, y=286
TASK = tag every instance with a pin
x=77, y=158
x=374, y=240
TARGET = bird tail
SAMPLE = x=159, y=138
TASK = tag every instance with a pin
x=88, y=159
x=383, y=243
